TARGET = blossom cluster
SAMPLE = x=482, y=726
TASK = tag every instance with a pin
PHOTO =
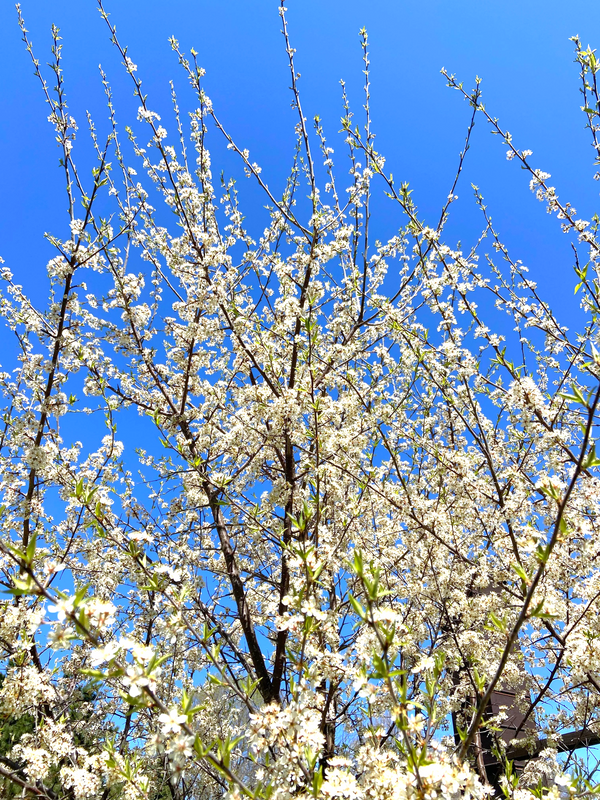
x=286, y=512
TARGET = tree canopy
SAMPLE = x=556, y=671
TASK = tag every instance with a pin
x=355, y=551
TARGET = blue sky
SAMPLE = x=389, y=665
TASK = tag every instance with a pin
x=520, y=49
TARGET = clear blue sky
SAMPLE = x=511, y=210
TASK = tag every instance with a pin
x=520, y=49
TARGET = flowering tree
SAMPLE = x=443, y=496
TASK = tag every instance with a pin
x=365, y=517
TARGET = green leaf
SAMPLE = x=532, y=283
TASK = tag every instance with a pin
x=157, y=661
x=542, y=553
x=30, y=553
x=21, y=586
x=317, y=781
x=380, y=667
x=497, y=623
x=562, y=526
x=576, y=397
x=521, y=572
x=94, y=673
x=357, y=607
x=358, y=563
x=479, y=680
x=592, y=460
x=539, y=612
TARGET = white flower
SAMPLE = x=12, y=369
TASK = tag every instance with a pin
x=100, y=655
x=141, y=652
x=135, y=679
x=424, y=664
x=146, y=115
x=101, y=612
x=85, y=784
x=172, y=721
x=60, y=636
x=180, y=748
x=63, y=607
